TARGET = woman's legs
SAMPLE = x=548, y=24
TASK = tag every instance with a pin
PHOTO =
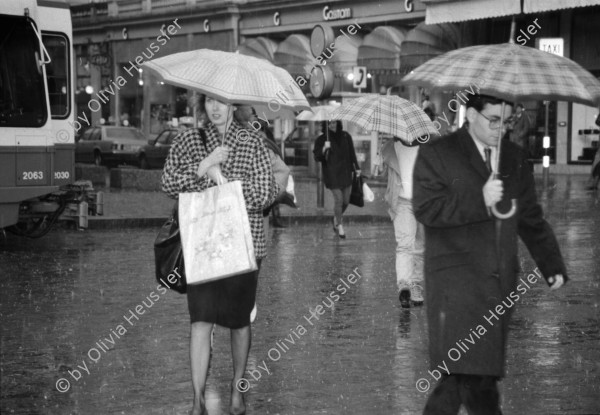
x=200, y=360
x=346, y=198
x=338, y=201
x=341, y=200
x=240, y=347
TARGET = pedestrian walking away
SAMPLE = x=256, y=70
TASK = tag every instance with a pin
x=399, y=159
x=471, y=264
x=335, y=151
x=519, y=128
x=193, y=166
x=594, y=179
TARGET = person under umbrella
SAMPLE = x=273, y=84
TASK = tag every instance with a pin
x=193, y=166
x=399, y=160
x=471, y=262
x=335, y=151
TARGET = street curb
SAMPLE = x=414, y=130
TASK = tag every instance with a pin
x=99, y=222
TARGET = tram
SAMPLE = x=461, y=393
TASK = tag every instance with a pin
x=37, y=145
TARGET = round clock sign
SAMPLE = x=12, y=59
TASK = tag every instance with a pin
x=321, y=81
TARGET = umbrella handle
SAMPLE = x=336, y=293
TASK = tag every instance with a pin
x=510, y=213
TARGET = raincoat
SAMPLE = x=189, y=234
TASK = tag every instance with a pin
x=472, y=281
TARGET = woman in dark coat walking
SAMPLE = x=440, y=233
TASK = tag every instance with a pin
x=338, y=158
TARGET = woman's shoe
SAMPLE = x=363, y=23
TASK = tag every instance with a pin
x=340, y=231
x=203, y=411
x=240, y=410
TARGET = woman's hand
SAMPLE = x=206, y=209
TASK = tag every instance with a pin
x=215, y=174
x=218, y=156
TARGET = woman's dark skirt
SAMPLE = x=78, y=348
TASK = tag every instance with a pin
x=227, y=302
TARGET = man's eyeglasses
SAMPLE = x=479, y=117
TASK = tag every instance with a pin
x=495, y=122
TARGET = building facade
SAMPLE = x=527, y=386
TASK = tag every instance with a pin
x=387, y=38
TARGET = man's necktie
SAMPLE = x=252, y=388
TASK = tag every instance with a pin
x=488, y=158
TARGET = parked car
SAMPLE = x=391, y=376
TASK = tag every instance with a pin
x=154, y=154
x=109, y=145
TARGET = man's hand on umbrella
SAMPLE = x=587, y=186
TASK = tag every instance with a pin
x=492, y=191
x=327, y=145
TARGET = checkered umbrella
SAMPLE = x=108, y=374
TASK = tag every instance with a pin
x=509, y=71
x=231, y=78
x=388, y=114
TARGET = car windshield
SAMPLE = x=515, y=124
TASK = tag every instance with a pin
x=123, y=132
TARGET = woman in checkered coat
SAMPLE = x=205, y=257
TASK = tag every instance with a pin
x=193, y=166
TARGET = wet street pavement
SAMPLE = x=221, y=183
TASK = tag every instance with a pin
x=81, y=311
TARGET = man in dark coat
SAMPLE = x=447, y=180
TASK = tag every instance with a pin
x=471, y=266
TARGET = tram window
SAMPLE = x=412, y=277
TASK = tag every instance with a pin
x=58, y=74
x=22, y=94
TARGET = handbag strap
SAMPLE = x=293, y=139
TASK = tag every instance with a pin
x=203, y=136
x=175, y=212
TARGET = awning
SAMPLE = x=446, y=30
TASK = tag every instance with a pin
x=536, y=6
x=427, y=41
x=259, y=47
x=294, y=55
x=345, y=55
x=448, y=11
x=380, y=50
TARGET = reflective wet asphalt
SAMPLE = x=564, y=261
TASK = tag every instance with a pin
x=81, y=312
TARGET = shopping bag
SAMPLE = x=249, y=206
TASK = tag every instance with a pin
x=368, y=194
x=215, y=233
x=356, y=194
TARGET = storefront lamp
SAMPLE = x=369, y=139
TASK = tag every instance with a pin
x=546, y=142
x=89, y=89
x=546, y=161
x=140, y=82
x=369, y=75
x=350, y=76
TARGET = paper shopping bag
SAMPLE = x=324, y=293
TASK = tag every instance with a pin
x=215, y=233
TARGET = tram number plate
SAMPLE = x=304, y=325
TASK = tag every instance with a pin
x=58, y=175
x=33, y=175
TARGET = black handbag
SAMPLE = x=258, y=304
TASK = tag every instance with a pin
x=168, y=256
x=356, y=194
x=168, y=252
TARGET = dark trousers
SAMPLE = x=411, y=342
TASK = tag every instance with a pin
x=479, y=395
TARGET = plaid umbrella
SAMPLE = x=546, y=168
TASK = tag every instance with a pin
x=318, y=113
x=231, y=78
x=387, y=114
x=509, y=71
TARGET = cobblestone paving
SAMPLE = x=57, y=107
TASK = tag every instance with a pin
x=79, y=302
